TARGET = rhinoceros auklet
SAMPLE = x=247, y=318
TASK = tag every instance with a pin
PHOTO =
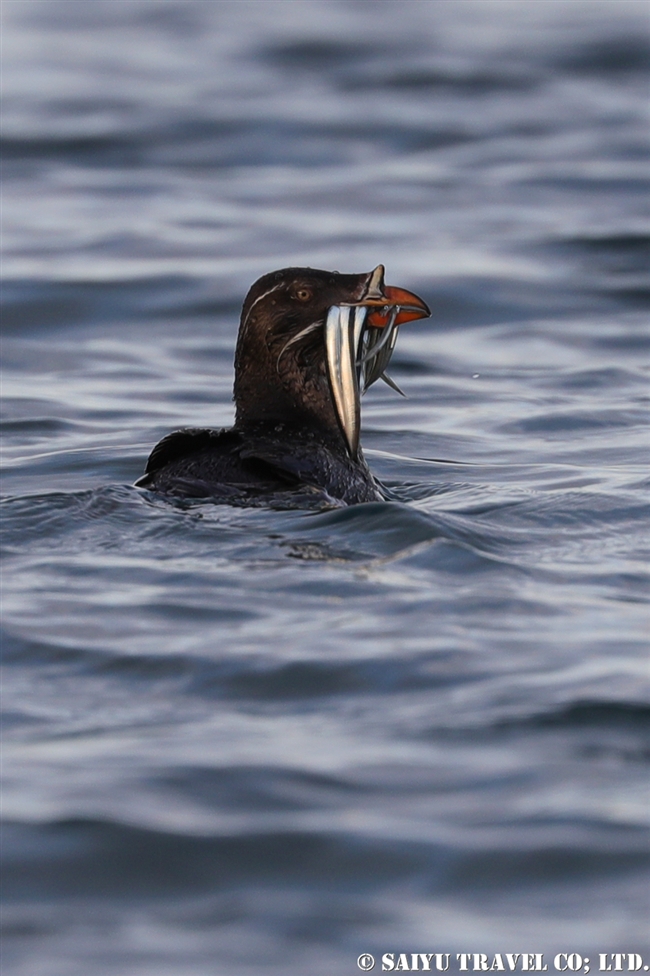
x=310, y=342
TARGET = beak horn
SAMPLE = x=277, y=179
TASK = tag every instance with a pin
x=375, y=287
x=382, y=298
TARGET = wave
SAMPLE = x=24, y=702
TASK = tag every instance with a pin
x=99, y=858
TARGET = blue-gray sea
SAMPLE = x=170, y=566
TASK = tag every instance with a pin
x=248, y=742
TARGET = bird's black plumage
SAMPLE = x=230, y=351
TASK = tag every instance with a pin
x=288, y=447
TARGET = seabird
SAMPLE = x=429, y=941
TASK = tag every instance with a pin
x=310, y=343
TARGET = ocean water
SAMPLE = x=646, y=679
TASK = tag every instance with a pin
x=243, y=742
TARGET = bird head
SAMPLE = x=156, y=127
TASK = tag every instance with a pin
x=311, y=342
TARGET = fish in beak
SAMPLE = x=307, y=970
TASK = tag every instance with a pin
x=359, y=340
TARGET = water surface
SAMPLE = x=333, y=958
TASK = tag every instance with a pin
x=248, y=741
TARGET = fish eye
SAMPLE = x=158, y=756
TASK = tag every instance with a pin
x=303, y=294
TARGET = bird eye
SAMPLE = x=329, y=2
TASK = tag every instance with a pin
x=303, y=294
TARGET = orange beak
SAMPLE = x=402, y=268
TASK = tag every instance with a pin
x=410, y=307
